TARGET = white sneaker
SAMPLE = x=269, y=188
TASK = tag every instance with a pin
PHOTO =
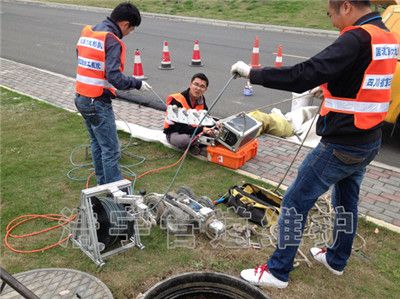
x=319, y=254
x=260, y=276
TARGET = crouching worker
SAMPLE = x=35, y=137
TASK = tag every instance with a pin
x=179, y=134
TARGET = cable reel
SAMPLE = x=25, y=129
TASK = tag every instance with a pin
x=113, y=225
x=108, y=220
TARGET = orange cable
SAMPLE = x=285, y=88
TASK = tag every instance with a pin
x=58, y=217
x=163, y=167
x=153, y=170
x=171, y=165
x=25, y=218
x=88, y=179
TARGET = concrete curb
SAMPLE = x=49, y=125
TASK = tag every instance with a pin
x=375, y=221
x=222, y=23
x=38, y=99
x=378, y=222
x=374, y=163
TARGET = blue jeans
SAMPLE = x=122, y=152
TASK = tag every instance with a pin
x=100, y=123
x=328, y=164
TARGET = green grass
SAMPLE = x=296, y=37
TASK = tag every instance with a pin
x=277, y=12
x=294, y=13
x=36, y=141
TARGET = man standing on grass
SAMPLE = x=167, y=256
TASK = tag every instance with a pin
x=101, y=59
x=355, y=75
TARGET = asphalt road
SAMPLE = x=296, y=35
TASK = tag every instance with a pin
x=45, y=37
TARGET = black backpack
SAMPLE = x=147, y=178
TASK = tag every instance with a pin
x=258, y=203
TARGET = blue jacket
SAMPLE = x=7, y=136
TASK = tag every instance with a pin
x=113, y=59
x=342, y=65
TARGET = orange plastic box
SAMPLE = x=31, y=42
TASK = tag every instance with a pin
x=221, y=155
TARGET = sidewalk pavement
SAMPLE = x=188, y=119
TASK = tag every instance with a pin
x=380, y=190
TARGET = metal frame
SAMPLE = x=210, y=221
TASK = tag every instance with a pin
x=84, y=233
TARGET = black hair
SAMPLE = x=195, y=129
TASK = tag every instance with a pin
x=126, y=11
x=201, y=76
x=358, y=3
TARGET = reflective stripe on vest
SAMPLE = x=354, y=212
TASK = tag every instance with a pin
x=373, y=98
x=93, y=81
x=182, y=100
x=355, y=106
x=91, y=76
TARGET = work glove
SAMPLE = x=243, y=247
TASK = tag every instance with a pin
x=241, y=69
x=145, y=86
x=317, y=92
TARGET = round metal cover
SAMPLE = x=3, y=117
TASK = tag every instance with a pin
x=60, y=283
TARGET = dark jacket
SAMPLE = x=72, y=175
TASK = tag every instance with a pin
x=184, y=128
x=113, y=59
x=342, y=65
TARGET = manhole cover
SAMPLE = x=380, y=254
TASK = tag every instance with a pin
x=59, y=283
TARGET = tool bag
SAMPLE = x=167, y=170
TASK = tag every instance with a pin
x=260, y=205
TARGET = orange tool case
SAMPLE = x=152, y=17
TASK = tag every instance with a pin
x=221, y=155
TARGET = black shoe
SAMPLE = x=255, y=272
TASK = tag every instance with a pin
x=195, y=150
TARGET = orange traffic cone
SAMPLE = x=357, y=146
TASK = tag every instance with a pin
x=196, y=58
x=255, y=56
x=166, y=59
x=137, y=67
x=278, y=59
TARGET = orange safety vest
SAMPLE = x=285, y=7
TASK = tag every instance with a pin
x=181, y=99
x=373, y=98
x=91, y=73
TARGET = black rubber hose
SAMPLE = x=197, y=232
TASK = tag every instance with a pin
x=16, y=285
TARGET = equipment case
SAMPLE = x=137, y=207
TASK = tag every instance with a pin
x=221, y=155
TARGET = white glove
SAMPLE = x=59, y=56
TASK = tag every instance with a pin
x=317, y=92
x=145, y=86
x=240, y=68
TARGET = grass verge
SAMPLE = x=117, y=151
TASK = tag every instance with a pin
x=293, y=13
x=36, y=141
x=277, y=12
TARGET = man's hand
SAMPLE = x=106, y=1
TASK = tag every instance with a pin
x=145, y=86
x=209, y=131
x=240, y=68
x=317, y=92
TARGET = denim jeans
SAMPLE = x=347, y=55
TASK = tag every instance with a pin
x=328, y=164
x=100, y=122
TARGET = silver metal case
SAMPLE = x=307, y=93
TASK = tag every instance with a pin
x=237, y=130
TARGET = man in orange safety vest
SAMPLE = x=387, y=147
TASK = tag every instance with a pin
x=180, y=134
x=101, y=59
x=354, y=74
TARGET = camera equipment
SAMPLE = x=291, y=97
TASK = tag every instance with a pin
x=189, y=116
x=108, y=220
x=237, y=130
x=177, y=212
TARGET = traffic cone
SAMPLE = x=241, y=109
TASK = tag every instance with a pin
x=166, y=59
x=255, y=56
x=278, y=59
x=137, y=67
x=196, y=58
